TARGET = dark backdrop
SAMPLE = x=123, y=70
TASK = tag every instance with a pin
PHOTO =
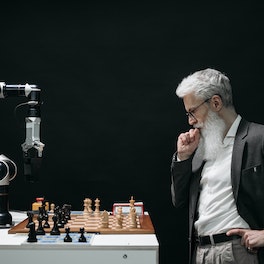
x=108, y=73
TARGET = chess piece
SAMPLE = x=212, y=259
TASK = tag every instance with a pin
x=105, y=219
x=67, y=238
x=97, y=206
x=40, y=230
x=32, y=236
x=82, y=238
x=55, y=229
x=85, y=205
x=67, y=212
x=133, y=218
x=46, y=223
x=46, y=219
x=60, y=222
x=131, y=201
x=89, y=203
x=30, y=218
x=52, y=207
x=119, y=218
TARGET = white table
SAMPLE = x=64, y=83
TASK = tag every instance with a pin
x=113, y=249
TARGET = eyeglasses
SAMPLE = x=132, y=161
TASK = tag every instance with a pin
x=190, y=114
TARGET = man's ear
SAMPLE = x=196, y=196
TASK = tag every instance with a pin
x=216, y=103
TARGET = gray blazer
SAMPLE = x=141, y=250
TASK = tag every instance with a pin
x=247, y=173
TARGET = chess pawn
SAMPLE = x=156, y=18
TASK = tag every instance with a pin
x=82, y=238
x=119, y=218
x=105, y=219
x=67, y=238
x=52, y=207
x=89, y=203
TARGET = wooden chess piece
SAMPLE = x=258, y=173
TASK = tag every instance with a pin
x=131, y=201
x=105, y=219
x=133, y=218
x=89, y=204
x=85, y=206
x=52, y=207
x=97, y=206
x=119, y=218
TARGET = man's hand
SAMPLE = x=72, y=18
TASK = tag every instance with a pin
x=187, y=143
x=250, y=238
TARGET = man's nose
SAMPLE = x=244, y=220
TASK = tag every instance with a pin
x=191, y=120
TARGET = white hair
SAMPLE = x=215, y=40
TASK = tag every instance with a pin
x=206, y=83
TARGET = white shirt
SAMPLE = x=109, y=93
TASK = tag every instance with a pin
x=217, y=209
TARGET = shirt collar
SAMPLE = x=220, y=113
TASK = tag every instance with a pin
x=233, y=129
x=229, y=138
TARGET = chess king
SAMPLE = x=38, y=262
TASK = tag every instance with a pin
x=8, y=171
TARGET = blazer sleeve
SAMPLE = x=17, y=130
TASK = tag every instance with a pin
x=181, y=172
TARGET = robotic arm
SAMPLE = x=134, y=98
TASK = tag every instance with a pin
x=32, y=147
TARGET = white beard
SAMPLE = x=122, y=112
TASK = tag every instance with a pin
x=212, y=135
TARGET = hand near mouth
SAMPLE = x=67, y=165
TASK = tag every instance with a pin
x=187, y=143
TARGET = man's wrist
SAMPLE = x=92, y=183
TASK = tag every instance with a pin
x=176, y=158
x=181, y=157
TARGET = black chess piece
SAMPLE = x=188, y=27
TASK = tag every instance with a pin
x=32, y=236
x=55, y=229
x=67, y=238
x=63, y=219
x=46, y=224
x=82, y=238
x=67, y=211
x=60, y=218
x=40, y=230
x=30, y=218
x=46, y=219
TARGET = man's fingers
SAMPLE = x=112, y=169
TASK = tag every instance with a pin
x=190, y=136
x=236, y=231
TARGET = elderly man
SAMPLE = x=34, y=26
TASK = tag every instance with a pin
x=218, y=171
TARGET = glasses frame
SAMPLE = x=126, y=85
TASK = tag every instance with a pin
x=190, y=114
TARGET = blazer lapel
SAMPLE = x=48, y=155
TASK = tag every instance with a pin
x=237, y=156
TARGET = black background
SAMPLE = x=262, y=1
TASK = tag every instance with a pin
x=108, y=72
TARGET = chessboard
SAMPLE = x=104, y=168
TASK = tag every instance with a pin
x=92, y=223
